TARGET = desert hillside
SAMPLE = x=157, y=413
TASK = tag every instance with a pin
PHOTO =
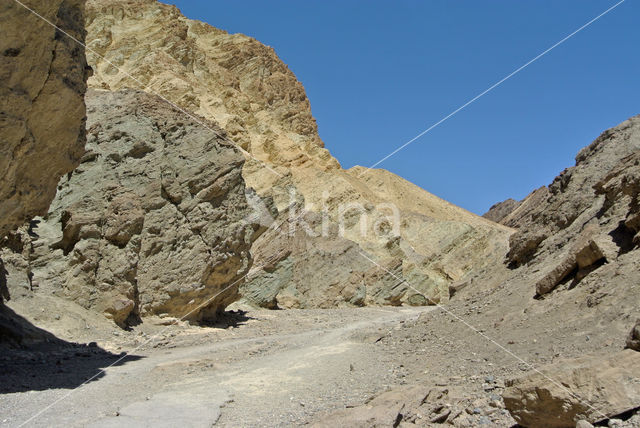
x=244, y=86
x=547, y=326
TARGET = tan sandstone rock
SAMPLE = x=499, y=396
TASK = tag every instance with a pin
x=393, y=407
x=589, y=249
x=42, y=112
x=589, y=388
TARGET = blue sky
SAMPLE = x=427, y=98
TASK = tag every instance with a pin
x=380, y=72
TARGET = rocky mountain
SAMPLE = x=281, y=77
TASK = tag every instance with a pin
x=42, y=112
x=243, y=85
x=589, y=215
x=153, y=221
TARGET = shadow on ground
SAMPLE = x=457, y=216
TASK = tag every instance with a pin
x=32, y=359
x=228, y=319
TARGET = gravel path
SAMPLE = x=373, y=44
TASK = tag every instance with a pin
x=273, y=368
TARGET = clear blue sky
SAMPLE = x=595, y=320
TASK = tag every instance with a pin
x=380, y=72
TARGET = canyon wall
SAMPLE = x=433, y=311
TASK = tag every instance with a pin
x=244, y=86
x=152, y=222
x=42, y=112
x=588, y=217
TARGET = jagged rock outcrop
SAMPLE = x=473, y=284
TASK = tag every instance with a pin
x=591, y=389
x=499, y=211
x=587, y=217
x=42, y=112
x=244, y=86
x=511, y=213
x=154, y=220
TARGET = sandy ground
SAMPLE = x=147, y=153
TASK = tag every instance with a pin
x=267, y=368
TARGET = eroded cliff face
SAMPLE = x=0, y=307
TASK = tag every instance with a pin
x=153, y=221
x=244, y=86
x=42, y=111
x=588, y=217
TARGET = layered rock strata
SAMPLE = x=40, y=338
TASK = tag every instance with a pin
x=244, y=86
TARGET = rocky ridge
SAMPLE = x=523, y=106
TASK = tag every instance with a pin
x=587, y=216
x=244, y=86
x=499, y=211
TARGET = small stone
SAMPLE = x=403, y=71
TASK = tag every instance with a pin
x=495, y=403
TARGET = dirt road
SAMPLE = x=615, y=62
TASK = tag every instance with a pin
x=268, y=368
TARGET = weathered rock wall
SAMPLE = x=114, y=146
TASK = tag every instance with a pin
x=588, y=215
x=42, y=112
x=153, y=221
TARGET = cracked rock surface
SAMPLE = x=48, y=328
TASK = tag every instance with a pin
x=42, y=84
x=151, y=222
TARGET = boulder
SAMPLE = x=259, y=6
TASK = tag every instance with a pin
x=556, y=275
x=585, y=254
x=393, y=407
x=590, y=388
x=154, y=222
x=633, y=339
x=594, y=250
